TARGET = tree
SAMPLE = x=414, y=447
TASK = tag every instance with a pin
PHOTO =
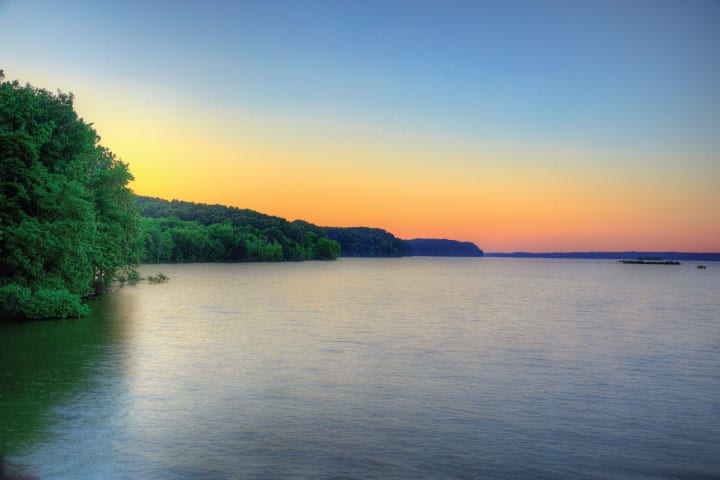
x=67, y=220
x=116, y=217
x=327, y=249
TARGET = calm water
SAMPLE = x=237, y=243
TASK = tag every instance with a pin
x=407, y=368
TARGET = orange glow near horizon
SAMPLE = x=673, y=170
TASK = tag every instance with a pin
x=502, y=200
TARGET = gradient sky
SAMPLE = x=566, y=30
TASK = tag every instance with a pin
x=518, y=125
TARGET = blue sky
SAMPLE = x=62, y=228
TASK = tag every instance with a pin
x=624, y=86
x=640, y=72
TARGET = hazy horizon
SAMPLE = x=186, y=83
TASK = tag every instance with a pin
x=519, y=126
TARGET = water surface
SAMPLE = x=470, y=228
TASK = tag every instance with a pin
x=391, y=368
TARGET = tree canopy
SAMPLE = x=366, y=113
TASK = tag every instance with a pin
x=178, y=231
x=367, y=242
x=67, y=219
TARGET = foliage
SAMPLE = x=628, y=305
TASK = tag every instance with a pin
x=17, y=301
x=176, y=232
x=440, y=247
x=158, y=278
x=327, y=249
x=366, y=242
x=67, y=220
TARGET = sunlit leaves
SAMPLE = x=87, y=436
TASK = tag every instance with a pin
x=67, y=216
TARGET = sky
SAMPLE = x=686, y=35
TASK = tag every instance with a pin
x=518, y=125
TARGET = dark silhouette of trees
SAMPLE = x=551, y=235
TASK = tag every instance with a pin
x=366, y=242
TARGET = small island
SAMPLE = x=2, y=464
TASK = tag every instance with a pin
x=650, y=261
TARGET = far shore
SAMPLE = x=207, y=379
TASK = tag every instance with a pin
x=627, y=255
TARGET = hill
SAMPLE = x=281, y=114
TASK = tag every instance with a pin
x=430, y=247
x=366, y=242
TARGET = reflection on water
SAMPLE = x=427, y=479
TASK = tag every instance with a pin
x=47, y=363
x=393, y=368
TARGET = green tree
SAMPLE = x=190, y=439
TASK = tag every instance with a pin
x=227, y=239
x=116, y=218
x=327, y=249
x=66, y=215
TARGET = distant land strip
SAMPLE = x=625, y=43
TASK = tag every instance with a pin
x=433, y=247
x=180, y=231
x=629, y=255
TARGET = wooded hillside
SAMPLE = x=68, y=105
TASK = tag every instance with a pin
x=178, y=231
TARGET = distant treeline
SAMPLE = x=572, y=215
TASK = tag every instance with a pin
x=374, y=242
x=367, y=242
x=433, y=247
x=178, y=231
x=631, y=255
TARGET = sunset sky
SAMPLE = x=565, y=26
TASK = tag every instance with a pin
x=518, y=125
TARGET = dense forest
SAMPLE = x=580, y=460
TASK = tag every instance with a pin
x=177, y=231
x=435, y=247
x=374, y=242
x=367, y=242
x=67, y=220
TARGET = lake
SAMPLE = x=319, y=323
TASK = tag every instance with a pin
x=410, y=368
